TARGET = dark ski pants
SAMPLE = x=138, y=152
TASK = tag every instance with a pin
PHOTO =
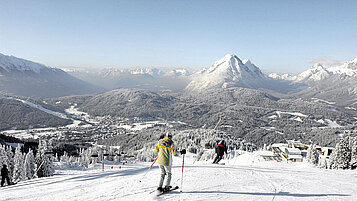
x=217, y=159
x=3, y=180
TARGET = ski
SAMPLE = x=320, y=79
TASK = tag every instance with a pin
x=218, y=163
x=164, y=192
x=9, y=185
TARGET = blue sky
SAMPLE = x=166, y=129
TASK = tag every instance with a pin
x=278, y=36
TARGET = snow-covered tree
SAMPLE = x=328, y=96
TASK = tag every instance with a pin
x=10, y=160
x=353, y=162
x=312, y=155
x=44, y=159
x=323, y=163
x=341, y=156
x=3, y=156
x=84, y=159
x=19, y=167
x=29, y=165
x=49, y=167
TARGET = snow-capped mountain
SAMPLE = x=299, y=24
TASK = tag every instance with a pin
x=286, y=76
x=27, y=78
x=230, y=71
x=336, y=84
x=315, y=73
x=318, y=72
x=227, y=72
x=145, y=78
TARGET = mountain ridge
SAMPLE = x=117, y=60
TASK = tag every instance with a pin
x=26, y=78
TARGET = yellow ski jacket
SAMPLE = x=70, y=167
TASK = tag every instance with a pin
x=165, y=148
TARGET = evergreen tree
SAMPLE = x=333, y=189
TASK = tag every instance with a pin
x=312, y=156
x=49, y=167
x=29, y=165
x=341, y=156
x=44, y=159
x=353, y=162
x=3, y=156
x=323, y=163
x=10, y=160
x=19, y=168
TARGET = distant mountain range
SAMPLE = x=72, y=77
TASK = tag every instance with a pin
x=144, y=78
x=27, y=78
x=336, y=83
x=254, y=106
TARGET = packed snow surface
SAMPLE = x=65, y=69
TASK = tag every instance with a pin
x=57, y=114
x=36, y=106
x=246, y=178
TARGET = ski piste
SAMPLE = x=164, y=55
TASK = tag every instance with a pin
x=164, y=192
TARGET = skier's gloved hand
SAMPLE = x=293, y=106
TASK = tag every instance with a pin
x=183, y=151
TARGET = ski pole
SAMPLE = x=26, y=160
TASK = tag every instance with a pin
x=38, y=169
x=149, y=169
x=183, y=162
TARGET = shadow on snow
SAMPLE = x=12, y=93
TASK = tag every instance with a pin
x=266, y=194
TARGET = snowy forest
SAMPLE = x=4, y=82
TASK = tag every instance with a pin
x=43, y=162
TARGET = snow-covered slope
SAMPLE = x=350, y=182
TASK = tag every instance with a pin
x=243, y=178
x=27, y=78
x=11, y=63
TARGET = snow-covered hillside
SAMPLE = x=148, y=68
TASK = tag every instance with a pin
x=27, y=78
x=11, y=63
x=245, y=177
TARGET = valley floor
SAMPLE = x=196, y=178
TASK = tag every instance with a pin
x=241, y=178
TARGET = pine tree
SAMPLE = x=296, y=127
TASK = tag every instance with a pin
x=49, y=168
x=3, y=156
x=44, y=160
x=19, y=168
x=323, y=163
x=29, y=165
x=10, y=160
x=341, y=156
x=353, y=162
x=312, y=155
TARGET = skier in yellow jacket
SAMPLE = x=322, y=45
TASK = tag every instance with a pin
x=165, y=148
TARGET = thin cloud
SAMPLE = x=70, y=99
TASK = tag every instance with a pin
x=335, y=54
x=325, y=61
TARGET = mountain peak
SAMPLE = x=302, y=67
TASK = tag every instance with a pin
x=229, y=56
x=246, y=61
x=229, y=71
x=317, y=66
